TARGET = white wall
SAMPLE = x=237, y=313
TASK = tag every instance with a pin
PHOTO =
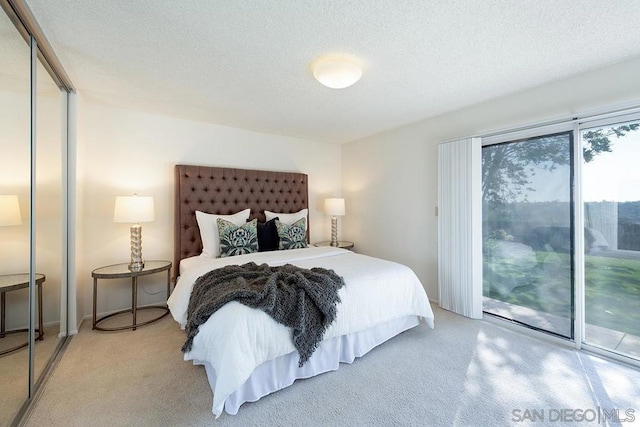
x=121, y=152
x=390, y=180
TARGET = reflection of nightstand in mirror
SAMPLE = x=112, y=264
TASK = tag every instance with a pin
x=341, y=244
x=13, y=282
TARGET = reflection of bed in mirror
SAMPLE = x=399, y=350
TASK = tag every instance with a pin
x=246, y=353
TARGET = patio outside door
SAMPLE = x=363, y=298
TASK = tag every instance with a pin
x=611, y=194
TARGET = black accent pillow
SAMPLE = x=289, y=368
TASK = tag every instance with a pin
x=268, y=239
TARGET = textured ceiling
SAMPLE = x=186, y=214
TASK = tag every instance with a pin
x=245, y=63
x=14, y=59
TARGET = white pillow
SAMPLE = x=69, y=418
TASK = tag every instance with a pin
x=287, y=218
x=209, y=229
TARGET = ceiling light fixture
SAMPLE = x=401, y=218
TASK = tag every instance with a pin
x=336, y=72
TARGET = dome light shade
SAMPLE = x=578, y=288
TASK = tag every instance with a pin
x=336, y=73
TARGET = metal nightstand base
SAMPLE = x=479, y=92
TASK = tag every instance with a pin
x=130, y=311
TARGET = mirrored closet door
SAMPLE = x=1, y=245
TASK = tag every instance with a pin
x=15, y=172
x=33, y=210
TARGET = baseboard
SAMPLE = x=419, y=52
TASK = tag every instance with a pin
x=44, y=325
x=79, y=325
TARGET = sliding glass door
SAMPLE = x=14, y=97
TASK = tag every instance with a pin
x=611, y=195
x=534, y=261
x=528, y=231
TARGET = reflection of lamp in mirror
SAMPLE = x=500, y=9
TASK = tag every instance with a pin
x=9, y=210
x=334, y=207
x=134, y=210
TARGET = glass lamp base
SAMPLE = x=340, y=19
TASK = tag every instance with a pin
x=136, y=263
x=136, y=266
x=334, y=231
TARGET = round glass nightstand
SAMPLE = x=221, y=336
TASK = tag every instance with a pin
x=119, y=271
x=344, y=244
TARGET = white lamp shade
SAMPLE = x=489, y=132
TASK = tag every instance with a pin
x=9, y=210
x=336, y=73
x=133, y=209
x=334, y=207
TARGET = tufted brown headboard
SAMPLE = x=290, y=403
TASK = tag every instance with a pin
x=226, y=191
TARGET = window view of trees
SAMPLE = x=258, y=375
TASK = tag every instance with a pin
x=508, y=169
x=612, y=216
x=528, y=233
x=527, y=222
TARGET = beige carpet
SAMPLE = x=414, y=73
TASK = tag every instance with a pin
x=462, y=373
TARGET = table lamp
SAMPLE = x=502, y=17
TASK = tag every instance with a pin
x=134, y=209
x=334, y=207
x=9, y=210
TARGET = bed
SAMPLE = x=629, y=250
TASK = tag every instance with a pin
x=246, y=354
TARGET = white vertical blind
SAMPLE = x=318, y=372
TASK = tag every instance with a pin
x=460, y=227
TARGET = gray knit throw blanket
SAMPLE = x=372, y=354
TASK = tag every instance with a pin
x=302, y=299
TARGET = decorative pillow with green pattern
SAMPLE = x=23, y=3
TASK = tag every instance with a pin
x=237, y=240
x=292, y=236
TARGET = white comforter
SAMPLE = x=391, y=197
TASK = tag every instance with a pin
x=236, y=339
